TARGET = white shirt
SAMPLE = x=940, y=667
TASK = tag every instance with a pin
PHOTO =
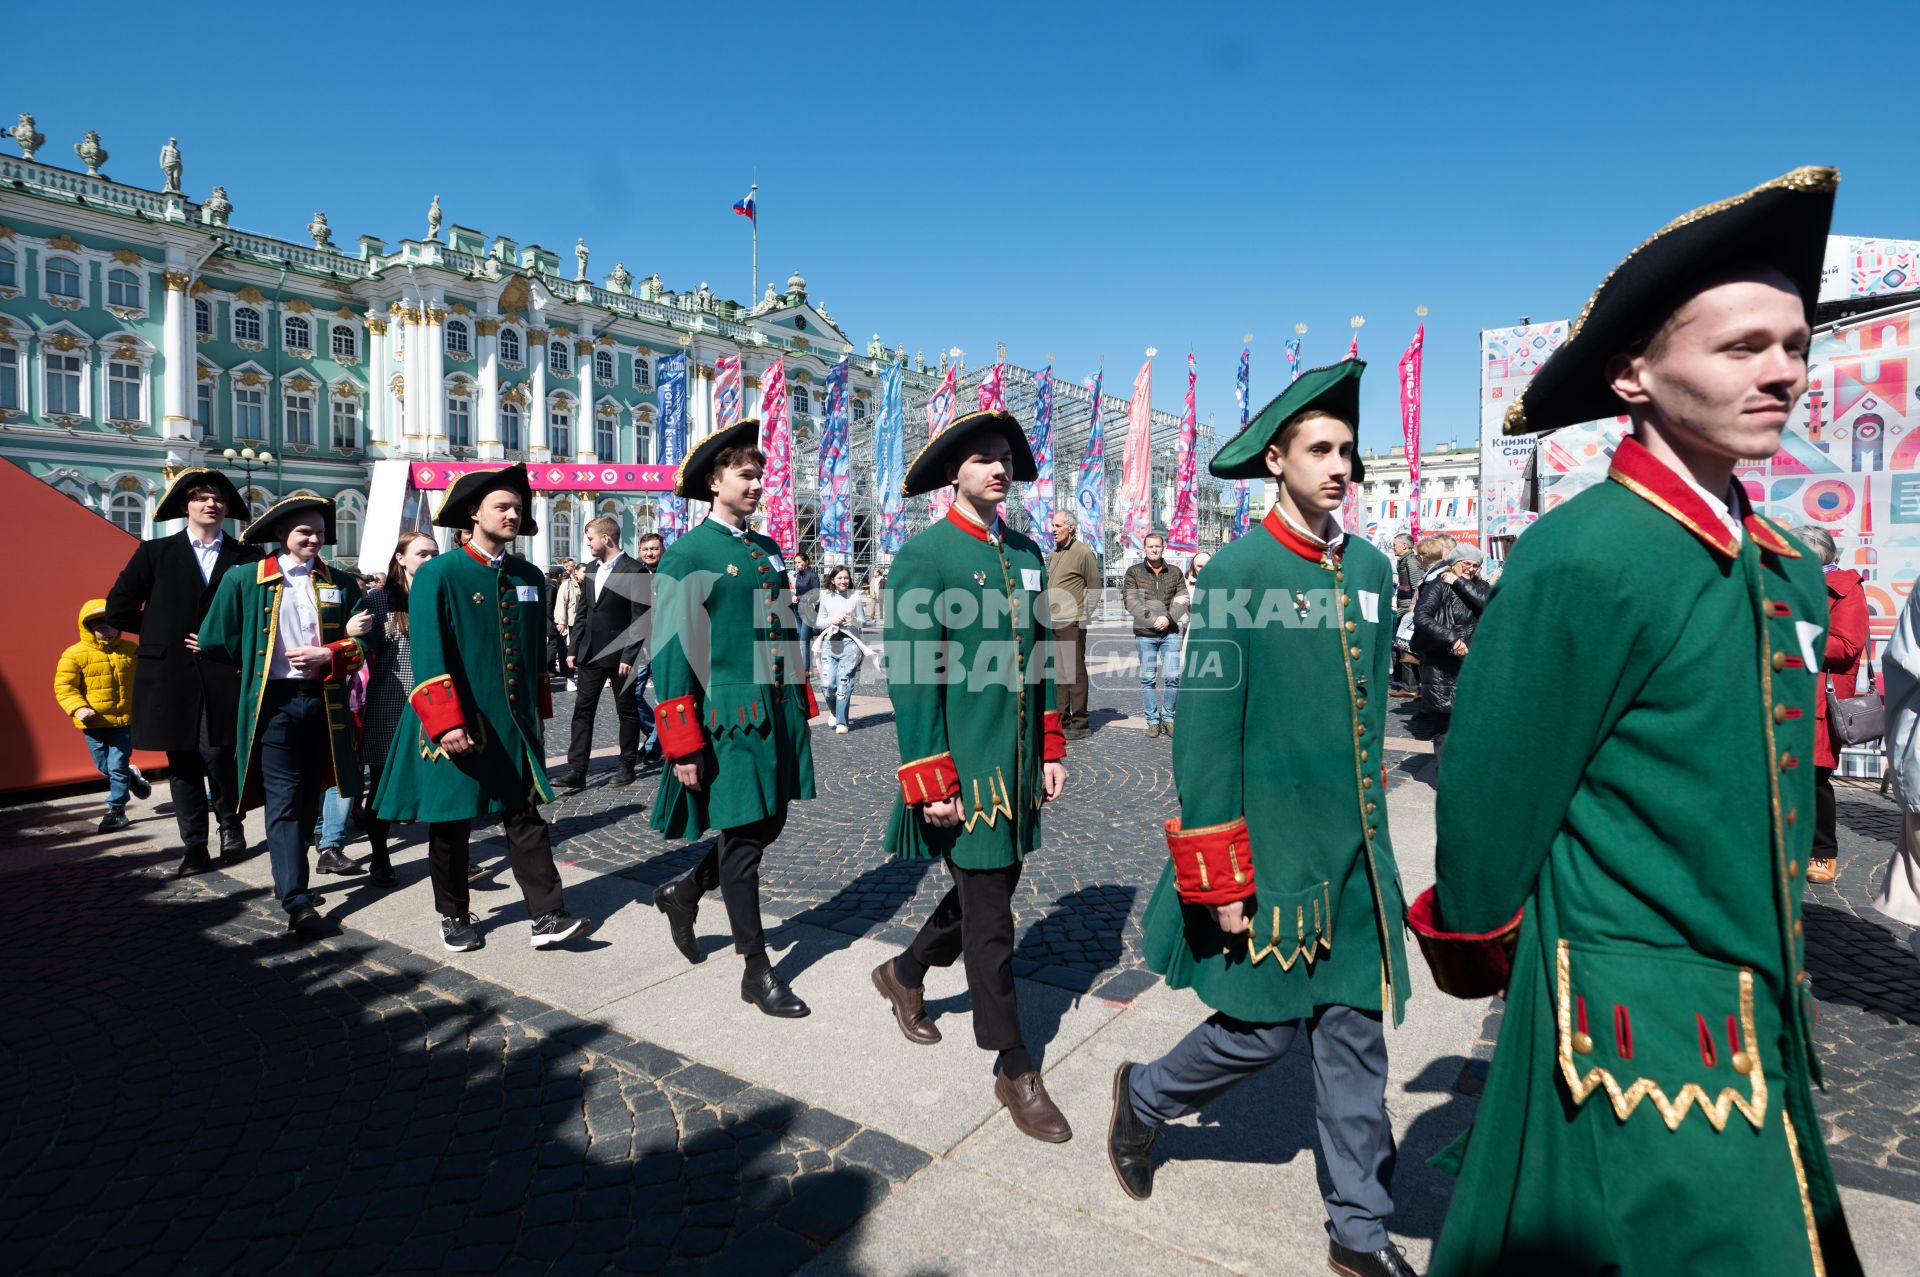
x=739, y=533
x=1720, y=505
x=1332, y=542
x=207, y=553
x=299, y=624
x=602, y=569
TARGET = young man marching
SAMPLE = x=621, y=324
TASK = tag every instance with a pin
x=734, y=705
x=469, y=743
x=1621, y=854
x=980, y=741
x=1281, y=906
x=284, y=623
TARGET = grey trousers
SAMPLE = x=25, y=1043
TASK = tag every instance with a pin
x=1349, y=1048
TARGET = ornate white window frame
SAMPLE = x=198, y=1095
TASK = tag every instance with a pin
x=643, y=434
x=259, y=312
x=249, y=378
x=14, y=340
x=463, y=351
x=288, y=343
x=65, y=340
x=137, y=309
x=559, y=357
x=561, y=401
x=516, y=361
x=306, y=385
x=127, y=485
x=606, y=414
x=642, y=369
x=125, y=348
x=202, y=305
x=462, y=396
x=342, y=391
x=612, y=374
x=18, y=259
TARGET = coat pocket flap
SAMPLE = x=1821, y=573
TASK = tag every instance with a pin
x=1291, y=925
x=737, y=707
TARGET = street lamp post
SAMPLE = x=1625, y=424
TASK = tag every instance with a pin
x=248, y=460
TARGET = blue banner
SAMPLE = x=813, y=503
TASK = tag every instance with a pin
x=890, y=465
x=670, y=381
x=1092, y=487
x=1039, y=502
x=836, y=468
x=1242, y=391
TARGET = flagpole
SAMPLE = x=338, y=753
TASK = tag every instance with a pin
x=753, y=296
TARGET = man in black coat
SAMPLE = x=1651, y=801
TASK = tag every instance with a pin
x=184, y=704
x=608, y=634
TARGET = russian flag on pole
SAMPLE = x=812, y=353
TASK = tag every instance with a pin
x=746, y=206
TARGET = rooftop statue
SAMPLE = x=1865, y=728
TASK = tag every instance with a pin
x=433, y=219
x=170, y=165
x=29, y=138
x=321, y=232
x=217, y=208
x=91, y=153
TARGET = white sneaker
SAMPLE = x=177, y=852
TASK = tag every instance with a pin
x=839, y=729
x=572, y=686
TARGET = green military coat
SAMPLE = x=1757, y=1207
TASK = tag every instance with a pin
x=240, y=629
x=1631, y=765
x=973, y=695
x=1281, y=722
x=478, y=638
x=727, y=669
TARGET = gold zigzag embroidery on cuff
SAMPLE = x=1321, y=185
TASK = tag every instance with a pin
x=1309, y=943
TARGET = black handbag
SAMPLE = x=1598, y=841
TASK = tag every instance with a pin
x=1857, y=719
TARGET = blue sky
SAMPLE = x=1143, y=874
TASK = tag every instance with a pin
x=1078, y=180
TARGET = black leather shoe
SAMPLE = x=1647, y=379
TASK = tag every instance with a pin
x=771, y=994
x=380, y=877
x=194, y=862
x=570, y=782
x=332, y=860
x=1130, y=1140
x=304, y=919
x=621, y=780
x=233, y=846
x=666, y=898
x=1390, y=1261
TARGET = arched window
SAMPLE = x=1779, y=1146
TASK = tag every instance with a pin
x=63, y=277
x=202, y=318
x=603, y=367
x=510, y=345
x=642, y=371
x=9, y=269
x=559, y=359
x=127, y=510
x=510, y=428
x=560, y=431
x=246, y=324
x=346, y=531
x=346, y=344
x=123, y=288
x=802, y=401
x=606, y=437
x=459, y=342
x=859, y=410
x=297, y=334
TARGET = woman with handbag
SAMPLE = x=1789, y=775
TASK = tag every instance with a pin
x=1840, y=664
x=842, y=612
x=389, y=682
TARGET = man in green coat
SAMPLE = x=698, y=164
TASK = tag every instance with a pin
x=974, y=703
x=284, y=623
x=1281, y=904
x=1626, y=801
x=469, y=743
x=734, y=705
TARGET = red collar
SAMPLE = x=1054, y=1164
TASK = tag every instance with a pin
x=1646, y=476
x=269, y=570
x=966, y=524
x=1312, y=551
x=482, y=559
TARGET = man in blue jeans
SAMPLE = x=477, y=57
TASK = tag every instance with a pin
x=1154, y=592
x=647, y=552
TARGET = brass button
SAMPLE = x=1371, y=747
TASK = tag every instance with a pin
x=1786, y=761
x=1779, y=713
x=1359, y=729
x=1582, y=1043
x=1351, y=627
x=1344, y=600
x=1742, y=1062
x=1779, y=661
x=1792, y=817
x=1799, y=927
x=1372, y=832
x=1359, y=704
x=1366, y=782
x=1354, y=652
x=1369, y=809
x=1363, y=755
x=1793, y=869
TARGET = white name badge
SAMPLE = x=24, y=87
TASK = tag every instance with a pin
x=1369, y=605
x=779, y=564
x=1029, y=578
x=329, y=594
x=528, y=593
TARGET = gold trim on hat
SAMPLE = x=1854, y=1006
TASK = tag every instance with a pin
x=680, y=473
x=952, y=426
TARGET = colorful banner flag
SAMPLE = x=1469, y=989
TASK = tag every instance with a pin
x=836, y=467
x=889, y=462
x=1410, y=425
x=726, y=391
x=1293, y=359
x=1039, y=499
x=1090, y=489
x=748, y=206
x=939, y=417
x=1136, y=465
x=1183, y=534
x=1242, y=395
x=1353, y=347
x=993, y=389
x=671, y=383
x=776, y=440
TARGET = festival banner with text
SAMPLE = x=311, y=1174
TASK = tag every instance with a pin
x=1243, y=490
x=888, y=459
x=1090, y=489
x=671, y=383
x=776, y=440
x=1136, y=465
x=1183, y=531
x=1039, y=500
x=1410, y=425
x=993, y=389
x=726, y=391
x=836, y=467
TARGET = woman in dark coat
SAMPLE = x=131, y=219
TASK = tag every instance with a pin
x=1448, y=608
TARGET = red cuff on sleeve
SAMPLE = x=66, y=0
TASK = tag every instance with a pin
x=1053, y=741
x=347, y=657
x=813, y=702
x=929, y=780
x=1212, y=865
x=1464, y=966
x=681, y=735
x=438, y=707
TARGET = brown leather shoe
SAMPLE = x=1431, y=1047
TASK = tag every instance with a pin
x=1031, y=1108
x=1819, y=870
x=908, y=1009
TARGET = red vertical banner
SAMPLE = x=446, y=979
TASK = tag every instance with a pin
x=1136, y=466
x=776, y=440
x=1182, y=530
x=1410, y=425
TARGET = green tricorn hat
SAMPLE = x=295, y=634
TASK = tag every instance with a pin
x=456, y=508
x=692, y=478
x=265, y=530
x=1780, y=225
x=174, y=504
x=929, y=469
x=1334, y=390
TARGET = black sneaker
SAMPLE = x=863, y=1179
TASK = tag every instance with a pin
x=141, y=786
x=333, y=861
x=114, y=819
x=458, y=935
x=557, y=927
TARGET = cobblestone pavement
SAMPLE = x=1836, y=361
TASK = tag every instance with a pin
x=190, y=1092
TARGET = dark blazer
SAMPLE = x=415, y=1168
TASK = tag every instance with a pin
x=612, y=628
x=160, y=597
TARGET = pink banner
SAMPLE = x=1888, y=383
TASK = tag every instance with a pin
x=432, y=476
x=1183, y=534
x=993, y=389
x=1136, y=467
x=776, y=440
x=939, y=417
x=1410, y=425
x=728, y=392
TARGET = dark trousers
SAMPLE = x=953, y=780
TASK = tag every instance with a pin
x=975, y=919
x=1349, y=1048
x=1071, y=653
x=295, y=773
x=190, y=774
x=1826, y=816
x=589, y=680
x=733, y=865
x=643, y=707
x=529, y=848
x=377, y=829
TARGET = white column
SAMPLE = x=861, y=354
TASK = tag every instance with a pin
x=543, y=515
x=435, y=356
x=377, y=396
x=487, y=333
x=700, y=418
x=583, y=430
x=177, y=350
x=537, y=410
x=412, y=408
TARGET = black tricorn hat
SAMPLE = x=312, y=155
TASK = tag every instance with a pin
x=174, y=504
x=690, y=480
x=929, y=469
x=1779, y=225
x=456, y=508
x=265, y=530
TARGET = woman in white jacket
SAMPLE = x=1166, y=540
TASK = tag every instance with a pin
x=1899, y=896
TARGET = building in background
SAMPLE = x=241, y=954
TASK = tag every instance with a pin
x=1449, y=493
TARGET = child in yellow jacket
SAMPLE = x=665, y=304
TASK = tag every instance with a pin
x=94, y=685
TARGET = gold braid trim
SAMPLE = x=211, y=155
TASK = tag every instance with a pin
x=1806, y=1199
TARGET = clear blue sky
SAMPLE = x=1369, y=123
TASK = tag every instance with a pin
x=1076, y=179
